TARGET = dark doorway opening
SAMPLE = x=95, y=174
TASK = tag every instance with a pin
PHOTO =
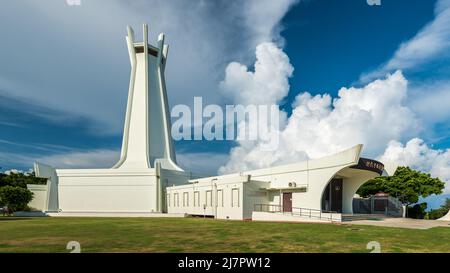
x=287, y=201
x=332, y=196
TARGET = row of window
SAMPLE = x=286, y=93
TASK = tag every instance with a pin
x=208, y=201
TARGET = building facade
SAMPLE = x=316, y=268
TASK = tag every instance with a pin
x=147, y=180
x=313, y=190
x=134, y=185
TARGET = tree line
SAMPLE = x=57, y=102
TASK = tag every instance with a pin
x=14, y=194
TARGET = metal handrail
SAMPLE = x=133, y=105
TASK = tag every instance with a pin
x=311, y=213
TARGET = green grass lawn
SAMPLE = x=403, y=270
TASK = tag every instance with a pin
x=208, y=235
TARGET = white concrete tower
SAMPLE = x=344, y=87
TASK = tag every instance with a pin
x=146, y=138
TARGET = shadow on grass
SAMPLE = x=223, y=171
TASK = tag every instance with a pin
x=12, y=218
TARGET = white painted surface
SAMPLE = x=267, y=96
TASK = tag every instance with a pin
x=45, y=171
x=305, y=180
x=220, y=198
x=312, y=174
x=39, y=201
x=147, y=163
x=98, y=214
x=118, y=214
x=107, y=191
x=279, y=217
x=146, y=137
x=353, y=179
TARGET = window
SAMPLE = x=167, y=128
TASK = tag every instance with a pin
x=235, y=198
x=176, y=202
x=208, y=198
x=220, y=198
x=196, y=199
x=185, y=199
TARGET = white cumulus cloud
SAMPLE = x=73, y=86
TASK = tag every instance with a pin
x=379, y=115
x=268, y=83
x=418, y=155
x=319, y=125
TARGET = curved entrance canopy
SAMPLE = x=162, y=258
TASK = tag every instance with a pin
x=369, y=165
x=337, y=195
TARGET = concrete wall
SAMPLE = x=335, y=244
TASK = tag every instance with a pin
x=266, y=186
x=46, y=171
x=146, y=135
x=233, y=198
x=312, y=174
x=224, y=198
x=107, y=190
x=352, y=180
x=194, y=199
x=39, y=201
x=253, y=194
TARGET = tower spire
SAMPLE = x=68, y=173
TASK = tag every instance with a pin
x=146, y=137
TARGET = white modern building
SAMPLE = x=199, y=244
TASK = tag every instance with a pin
x=135, y=185
x=314, y=190
x=148, y=182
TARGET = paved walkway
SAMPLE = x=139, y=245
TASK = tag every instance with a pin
x=402, y=223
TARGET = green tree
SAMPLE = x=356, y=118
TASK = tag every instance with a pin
x=16, y=198
x=20, y=179
x=440, y=212
x=418, y=211
x=406, y=185
x=13, y=189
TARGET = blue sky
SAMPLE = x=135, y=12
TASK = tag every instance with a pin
x=342, y=39
x=64, y=70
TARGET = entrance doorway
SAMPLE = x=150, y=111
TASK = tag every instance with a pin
x=332, y=196
x=287, y=201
